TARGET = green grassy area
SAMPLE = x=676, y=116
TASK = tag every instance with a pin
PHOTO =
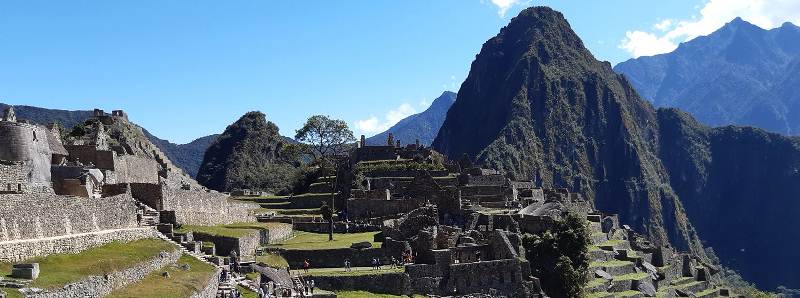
x=246, y=293
x=233, y=230
x=628, y=293
x=612, y=242
x=631, y=276
x=358, y=271
x=181, y=283
x=59, y=270
x=710, y=290
x=612, y=263
x=305, y=240
x=597, y=295
x=11, y=293
x=272, y=260
x=595, y=282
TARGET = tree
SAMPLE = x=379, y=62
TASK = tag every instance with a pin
x=325, y=136
x=560, y=257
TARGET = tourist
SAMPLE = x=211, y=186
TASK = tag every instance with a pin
x=306, y=265
x=347, y=265
x=394, y=263
x=311, y=285
x=374, y=263
x=260, y=293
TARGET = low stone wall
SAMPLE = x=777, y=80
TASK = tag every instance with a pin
x=20, y=250
x=205, y=208
x=334, y=258
x=338, y=227
x=98, y=286
x=210, y=290
x=366, y=208
x=277, y=234
x=244, y=246
x=389, y=283
x=32, y=216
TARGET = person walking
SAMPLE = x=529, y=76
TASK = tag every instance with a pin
x=306, y=265
x=311, y=285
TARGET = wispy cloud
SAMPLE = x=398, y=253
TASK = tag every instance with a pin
x=713, y=15
x=374, y=124
x=503, y=6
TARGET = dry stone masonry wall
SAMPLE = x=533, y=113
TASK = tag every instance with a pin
x=17, y=251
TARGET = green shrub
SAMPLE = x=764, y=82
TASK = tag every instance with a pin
x=560, y=257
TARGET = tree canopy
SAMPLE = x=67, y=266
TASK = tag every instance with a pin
x=325, y=136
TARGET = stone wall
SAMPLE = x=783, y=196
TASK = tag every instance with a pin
x=20, y=250
x=338, y=227
x=135, y=169
x=98, y=286
x=38, y=216
x=390, y=283
x=15, y=178
x=149, y=194
x=485, y=180
x=210, y=290
x=244, y=246
x=334, y=258
x=506, y=276
x=365, y=208
x=277, y=233
x=27, y=143
x=205, y=208
x=86, y=154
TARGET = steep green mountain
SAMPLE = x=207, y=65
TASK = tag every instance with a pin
x=247, y=155
x=423, y=126
x=741, y=74
x=187, y=156
x=537, y=104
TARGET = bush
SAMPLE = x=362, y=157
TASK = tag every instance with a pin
x=560, y=257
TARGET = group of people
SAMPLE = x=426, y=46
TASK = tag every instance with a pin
x=377, y=263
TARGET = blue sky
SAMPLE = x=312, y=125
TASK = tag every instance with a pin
x=185, y=69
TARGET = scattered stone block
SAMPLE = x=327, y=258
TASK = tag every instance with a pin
x=647, y=289
x=602, y=274
x=26, y=271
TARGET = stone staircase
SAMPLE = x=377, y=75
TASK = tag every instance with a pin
x=149, y=216
x=618, y=269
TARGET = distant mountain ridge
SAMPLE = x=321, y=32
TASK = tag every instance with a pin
x=740, y=74
x=422, y=126
x=187, y=156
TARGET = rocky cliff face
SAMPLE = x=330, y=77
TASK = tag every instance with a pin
x=537, y=104
x=740, y=74
x=423, y=126
x=740, y=188
x=247, y=156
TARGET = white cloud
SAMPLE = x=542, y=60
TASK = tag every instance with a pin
x=664, y=25
x=504, y=5
x=712, y=15
x=374, y=125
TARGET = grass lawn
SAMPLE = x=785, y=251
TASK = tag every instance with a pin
x=246, y=293
x=233, y=230
x=59, y=270
x=272, y=260
x=612, y=263
x=631, y=276
x=357, y=271
x=181, y=283
x=305, y=240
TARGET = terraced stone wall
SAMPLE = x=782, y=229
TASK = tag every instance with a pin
x=210, y=290
x=20, y=250
x=135, y=169
x=32, y=216
x=196, y=207
x=390, y=283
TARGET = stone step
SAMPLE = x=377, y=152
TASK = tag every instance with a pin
x=599, y=255
x=598, y=238
x=615, y=267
